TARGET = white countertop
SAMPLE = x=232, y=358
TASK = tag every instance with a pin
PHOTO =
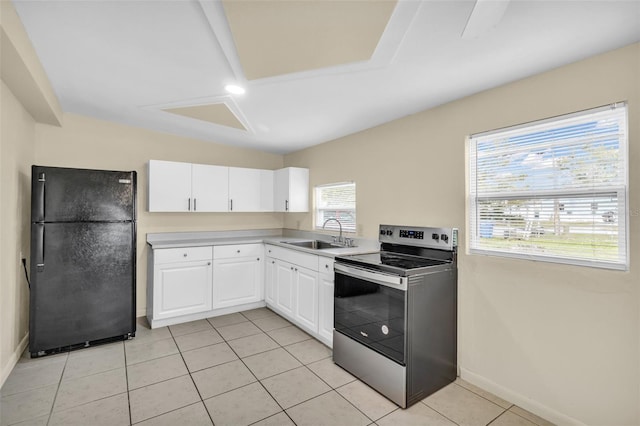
x=270, y=236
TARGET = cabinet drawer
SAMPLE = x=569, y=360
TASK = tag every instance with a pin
x=325, y=265
x=182, y=254
x=238, y=250
x=306, y=260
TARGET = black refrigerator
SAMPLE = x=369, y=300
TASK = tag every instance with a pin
x=83, y=258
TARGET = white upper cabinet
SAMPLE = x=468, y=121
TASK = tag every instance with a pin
x=266, y=190
x=209, y=188
x=291, y=190
x=186, y=187
x=250, y=190
x=169, y=186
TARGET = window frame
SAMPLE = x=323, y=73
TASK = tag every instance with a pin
x=333, y=226
x=621, y=192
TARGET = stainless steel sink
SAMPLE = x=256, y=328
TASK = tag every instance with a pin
x=314, y=244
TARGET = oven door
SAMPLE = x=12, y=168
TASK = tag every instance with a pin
x=370, y=307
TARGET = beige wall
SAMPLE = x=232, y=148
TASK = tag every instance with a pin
x=89, y=143
x=17, y=138
x=560, y=340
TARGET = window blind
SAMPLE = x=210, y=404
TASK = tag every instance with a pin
x=337, y=201
x=553, y=190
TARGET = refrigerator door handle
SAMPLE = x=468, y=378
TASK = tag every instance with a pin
x=39, y=187
x=40, y=245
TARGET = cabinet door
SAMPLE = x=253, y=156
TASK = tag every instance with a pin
x=325, y=307
x=285, y=296
x=266, y=190
x=210, y=188
x=270, y=294
x=298, y=189
x=169, y=186
x=237, y=281
x=182, y=288
x=244, y=190
x=281, y=190
x=306, y=292
x=291, y=189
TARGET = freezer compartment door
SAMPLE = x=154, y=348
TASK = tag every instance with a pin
x=79, y=195
x=83, y=283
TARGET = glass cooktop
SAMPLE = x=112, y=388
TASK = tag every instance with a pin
x=392, y=261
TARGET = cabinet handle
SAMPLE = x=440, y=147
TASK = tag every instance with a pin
x=292, y=268
x=258, y=259
x=238, y=251
x=184, y=255
x=208, y=263
x=326, y=266
x=286, y=205
x=273, y=261
x=194, y=204
x=231, y=208
x=296, y=269
x=189, y=206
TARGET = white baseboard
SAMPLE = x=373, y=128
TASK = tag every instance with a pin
x=13, y=359
x=520, y=400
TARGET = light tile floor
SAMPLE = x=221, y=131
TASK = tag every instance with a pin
x=245, y=368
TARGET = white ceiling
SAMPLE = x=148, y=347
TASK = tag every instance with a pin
x=129, y=61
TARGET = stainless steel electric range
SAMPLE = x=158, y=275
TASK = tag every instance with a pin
x=395, y=313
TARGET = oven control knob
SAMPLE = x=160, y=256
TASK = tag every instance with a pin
x=435, y=237
x=382, y=232
x=444, y=238
x=389, y=232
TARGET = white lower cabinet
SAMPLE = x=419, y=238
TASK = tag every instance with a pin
x=182, y=282
x=325, y=300
x=270, y=270
x=306, y=306
x=186, y=284
x=236, y=281
x=294, y=289
x=285, y=287
x=238, y=274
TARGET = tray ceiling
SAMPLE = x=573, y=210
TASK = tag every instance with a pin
x=313, y=70
x=214, y=113
x=283, y=37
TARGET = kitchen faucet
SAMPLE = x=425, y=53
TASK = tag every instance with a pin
x=340, y=240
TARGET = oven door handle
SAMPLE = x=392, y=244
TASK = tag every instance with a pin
x=389, y=280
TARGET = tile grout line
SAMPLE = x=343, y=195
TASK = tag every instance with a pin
x=191, y=377
x=338, y=393
x=126, y=376
x=260, y=381
x=55, y=398
x=253, y=374
x=342, y=396
x=481, y=396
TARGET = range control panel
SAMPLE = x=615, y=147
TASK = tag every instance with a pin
x=411, y=233
x=442, y=238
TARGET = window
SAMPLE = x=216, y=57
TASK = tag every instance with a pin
x=553, y=190
x=336, y=201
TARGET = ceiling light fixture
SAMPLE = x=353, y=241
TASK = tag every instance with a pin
x=234, y=89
